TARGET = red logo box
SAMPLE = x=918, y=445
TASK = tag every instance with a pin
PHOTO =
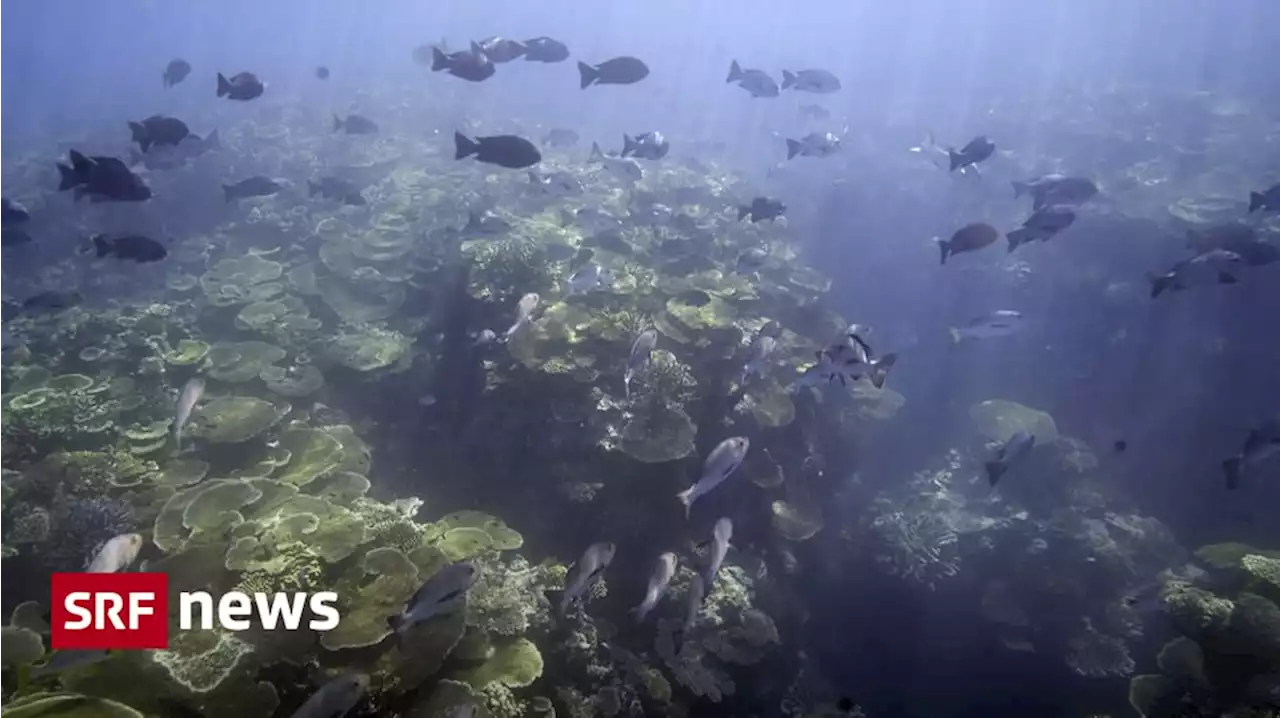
x=110, y=611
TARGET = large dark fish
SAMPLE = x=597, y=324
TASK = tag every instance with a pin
x=618, y=71
x=257, y=186
x=176, y=71
x=242, y=86
x=502, y=150
x=1014, y=449
x=135, y=248
x=978, y=149
x=545, y=49
x=102, y=179
x=472, y=65
x=501, y=49
x=158, y=130
x=968, y=238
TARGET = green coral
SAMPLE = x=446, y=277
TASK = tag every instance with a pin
x=515, y=664
x=234, y=419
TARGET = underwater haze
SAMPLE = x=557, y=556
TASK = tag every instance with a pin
x=894, y=360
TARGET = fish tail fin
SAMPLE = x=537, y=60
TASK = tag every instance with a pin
x=137, y=132
x=788, y=79
x=224, y=87
x=102, y=245
x=439, y=60
x=465, y=146
x=743, y=211
x=1231, y=468
x=312, y=189
x=687, y=498
x=955, y=158
x=588, y=75
x=1017, y=237
x=995, y=469
x=880, y=369
x=337, y=123
x=1020, y=188
x=67, y=177
x=213, y=141
x=596, y=152
x=534, y=178
x=1160, y=283
x=957, y=336
x=735, y=72
x=228, y=192
x=945, y=248
x=793, y=148
x=1227, y=278
x=473, y=219
x=628, y=145
x=1256, y=201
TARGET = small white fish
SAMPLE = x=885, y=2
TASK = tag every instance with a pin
x=1000, y=323
x=441, y=594
x=641, y=351
x=720, y=537
x=524, y=313
x=589, y=278
x=658, y=582
x=723, y=461
x=627, y=170
x=335, y=697
x=588, y=568
x=761, y=349
x=192, y=391
x=116, y=554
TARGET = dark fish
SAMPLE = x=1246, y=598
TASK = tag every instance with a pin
x=322, y=72
x=170, y=157
x=815, y=112
x=335, y=698
x=762, y=208
x=503, y=150
x=648, y=146
x=11, y=237
x=1056, y=189
x=102, y=179
x=1120, y=446
x=968, y=238
x=500, y=49
x=243, y=86
x=355, y=125
x=1016, y=447
x=484, y=225
x=1262, y=442
x=257, y=186
x=158, y=130
x=556, y=184
x=131, y=247
x=545, y=49
x=820, y=81
x=336, y=188
x=978, y=149
x=1046, y=222
x=757, y=82
x=561, y=138
x=472, y=65
x=176, y=71
x=1235, y=237
x=814, y=144
x=1217, y=266
x=13, y=213
x=1268, y=200
x=443, y=593
x=52, y=301
x=618, y=71
x=751, y=260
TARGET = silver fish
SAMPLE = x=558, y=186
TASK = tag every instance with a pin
x=524, y=313
x=723, y=461
x=627, y=170
x=847, y=361
x=658, y=582
x=335, y=697
x=192, y=391
x=116, y=554
x=441, y=594
x=1217, y=266
x=1262, y=442
x=761, y=348
x=641, y=351
x=1014, y=449
x=589, y=278
x=814, y=144
x=1000, y=323
x=588, y=568
x=720, y=537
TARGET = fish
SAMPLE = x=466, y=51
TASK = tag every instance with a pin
x=647, y=146
x=756, y=82
x=158, y=130
x=472, y=65
x=500, y=49
x=720, y=464
x=480, y=224
x=1234, y=237
x=116, y=554
x=257, y=186
x=1055, y=189
x=336, y=188
x=618, y=71
x=52, y=301
x=589, y=278
x=814, y=144
x=1000, y=323
x=762, y=208
x=624, y=169
x=136, y=248
x=13, y=237
x=524, y=313
x=1120, y=446
x=335, y=698
x=242, y=86
x=820, y=81
x=588, y=568
x=1268, y=199
x=751, y=260
x=322, y=73
x=13, y=213
x=978, y=149
x=761, y=348
x=641, y=352
x=556, y=184
x=1043, y=224
x=815, y=112
x=174, y=156
x=503, y=150
x=191, y=394
x=720, y=536
x=559, y=137
x=847, y=361
x=545, y=49
x=101, y=179
x=967, y=239
x=1014, y=449
x=176, y=71
x=1216, y=266
x=693, y=604
x=1262, y=442
x=355, y=125
x=658, y=583
x=484, y=337
x=444, y=592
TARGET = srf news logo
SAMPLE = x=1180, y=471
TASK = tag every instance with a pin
x=131, y=611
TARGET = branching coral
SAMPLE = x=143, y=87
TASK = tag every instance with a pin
x=917, y=545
